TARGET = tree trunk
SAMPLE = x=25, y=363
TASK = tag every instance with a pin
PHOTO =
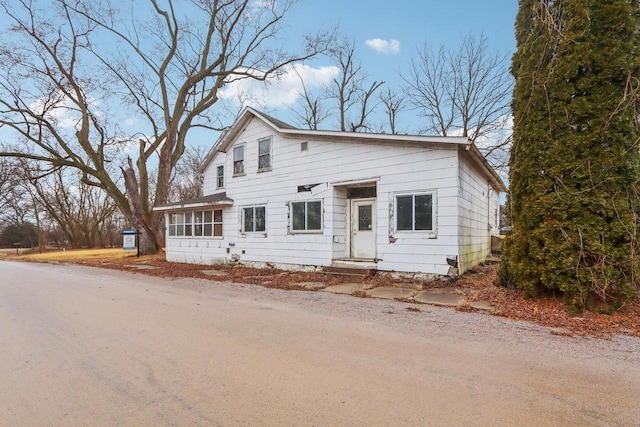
x=142, y=221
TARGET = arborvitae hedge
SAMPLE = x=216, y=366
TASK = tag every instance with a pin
x=576, y=154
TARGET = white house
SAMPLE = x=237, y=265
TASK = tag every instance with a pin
x=293, y=199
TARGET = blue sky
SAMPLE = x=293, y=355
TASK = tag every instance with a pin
x=401, y=27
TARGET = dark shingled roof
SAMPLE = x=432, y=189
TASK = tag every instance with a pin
x=212, y=199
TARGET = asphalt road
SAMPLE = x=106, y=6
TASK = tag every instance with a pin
x=90, y=347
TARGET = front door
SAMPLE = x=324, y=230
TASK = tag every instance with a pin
x=363, y=228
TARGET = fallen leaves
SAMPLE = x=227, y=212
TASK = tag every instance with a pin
x=476, y=285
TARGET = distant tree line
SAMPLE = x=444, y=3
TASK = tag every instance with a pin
x=57, y=209
x=460, y=91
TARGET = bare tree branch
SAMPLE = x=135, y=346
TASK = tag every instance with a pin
x=84, y=68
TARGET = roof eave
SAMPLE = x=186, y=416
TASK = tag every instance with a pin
x=187, y=206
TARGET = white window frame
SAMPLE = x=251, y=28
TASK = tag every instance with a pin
x=242, y=162
x=269, y=155
x=243, y=230
x=219, y=176
x=180, y=228
x=429, y=233
x=306, y=217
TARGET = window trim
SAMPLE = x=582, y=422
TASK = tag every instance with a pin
x=253, y=232
x=219, y=177
x=268, y=140
x=432, y=233
x=180, y=222
x=244, y=157
x=306, y=217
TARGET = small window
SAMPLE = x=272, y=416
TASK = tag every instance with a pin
x=238, y=160
x=304, y=146
x=306, y=216
x=264, y=155
x=361, y=192
x=220, y=176
x=254, y=219
x=414, y=212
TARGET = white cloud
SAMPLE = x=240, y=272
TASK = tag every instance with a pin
x=61, y=111
x=278, y=92
x=384, y=46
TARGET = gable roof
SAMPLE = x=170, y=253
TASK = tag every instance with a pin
x=229, y=135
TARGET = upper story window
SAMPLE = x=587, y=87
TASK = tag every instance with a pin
x=220, y=176
x=306, y=216
x=238, y=160
x=414, y=212
x=196, y=224
x=264, y=155
x=254, y=219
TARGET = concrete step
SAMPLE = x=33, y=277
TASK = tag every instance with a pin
x=349, y=271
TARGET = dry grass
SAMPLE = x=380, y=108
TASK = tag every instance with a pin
x=76, y=255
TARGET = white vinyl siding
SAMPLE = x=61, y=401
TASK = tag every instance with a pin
x=396, y=169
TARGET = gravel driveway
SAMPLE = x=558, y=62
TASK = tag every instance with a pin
x=85, y=346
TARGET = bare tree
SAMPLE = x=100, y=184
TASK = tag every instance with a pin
x=15, y=203
x=6, y=183
x=393, y=104
x=350, y=90
x=312, y=111
x=465, y=91
x=72, y=72
x=188, y=179
x=81, y=211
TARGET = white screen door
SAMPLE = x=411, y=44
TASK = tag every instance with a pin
x=363, y=228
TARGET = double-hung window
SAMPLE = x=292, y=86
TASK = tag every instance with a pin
x=254, y=219
x=306, y=216
x=220, y=176
x=414, y=212
x=238, y=160
x=264, y=155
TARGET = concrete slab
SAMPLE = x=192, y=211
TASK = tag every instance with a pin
x=444, y=291
x=345, y=288
x=391, y=293
x=481, y=305
x=429, y=297
x=145, y=267
x=312, y=286
x=214, y=272
x=266, y=278
x=414, y=286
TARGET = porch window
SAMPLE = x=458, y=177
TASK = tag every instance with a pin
x=264, y=155
x=254, y=219
x=306, y=216
x=220, y=176
x=176, y=224
x=414, y=212
x=238, y=160
x=196, y=224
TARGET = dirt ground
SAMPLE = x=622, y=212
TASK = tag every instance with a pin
x=479, y=284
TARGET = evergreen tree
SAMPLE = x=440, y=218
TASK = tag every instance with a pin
x=575, y=159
